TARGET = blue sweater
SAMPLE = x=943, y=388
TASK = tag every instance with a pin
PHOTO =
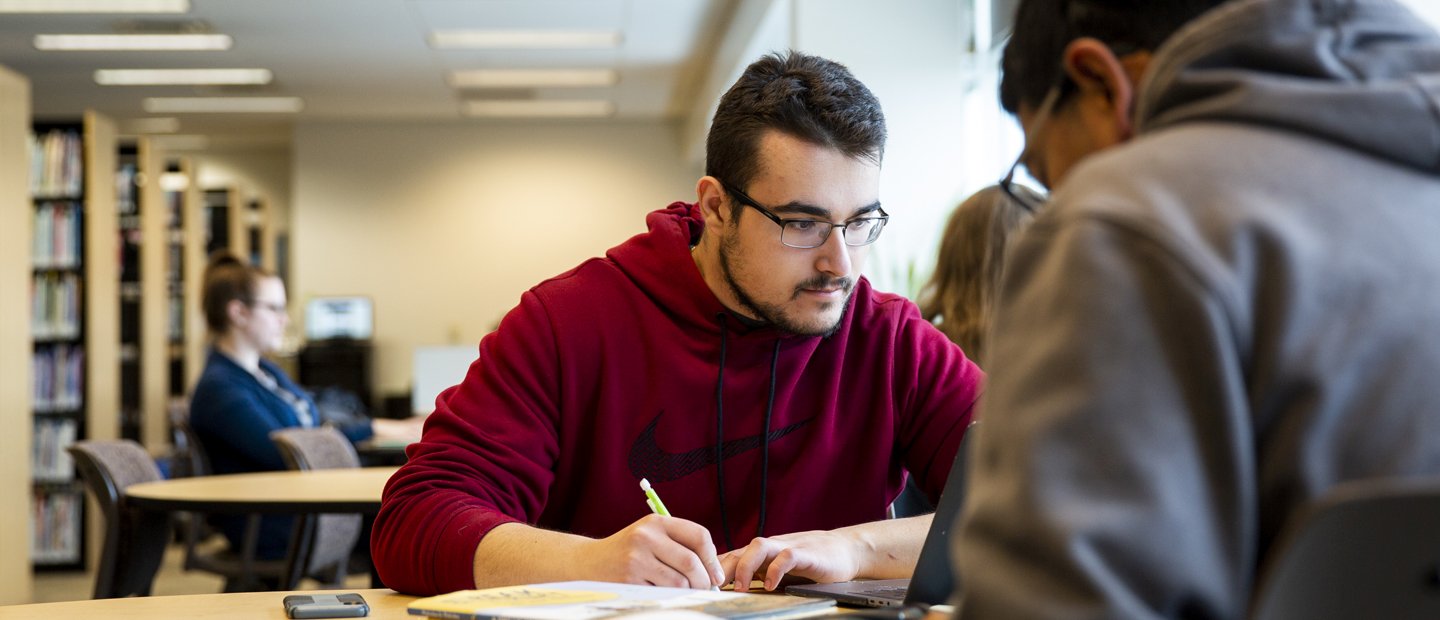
x=233, y=416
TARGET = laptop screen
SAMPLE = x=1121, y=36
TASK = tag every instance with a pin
x=934, y=580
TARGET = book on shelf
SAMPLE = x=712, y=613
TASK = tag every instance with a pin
x=57, y=229
x=582, y=600
x=56, y=523
x=58, y=373
x=49, y=460
x=55, y=306
x=55, y=164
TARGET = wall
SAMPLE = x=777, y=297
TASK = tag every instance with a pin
x=15, y=342
x=947, y=134
x=941, y=146
x=444, y=225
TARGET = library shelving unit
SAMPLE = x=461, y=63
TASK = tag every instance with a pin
x=261, y=234
x=128, y=210
x=74, y=324
x=184, y=262
x=144, y=303
x=15, y=342
x=225, y=222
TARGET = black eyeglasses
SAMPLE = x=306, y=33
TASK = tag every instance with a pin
x=1042, y=115
x=1062, y=86
x=806, y=234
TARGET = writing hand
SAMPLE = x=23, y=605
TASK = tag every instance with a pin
x=656, y=550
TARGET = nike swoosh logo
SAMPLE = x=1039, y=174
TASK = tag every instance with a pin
x=649, y=460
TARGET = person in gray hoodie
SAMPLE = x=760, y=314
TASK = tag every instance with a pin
x=1227, y=308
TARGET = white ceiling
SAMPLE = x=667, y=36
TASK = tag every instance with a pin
x=368, y=59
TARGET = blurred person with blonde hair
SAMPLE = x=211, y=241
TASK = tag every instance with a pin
x=959, y=298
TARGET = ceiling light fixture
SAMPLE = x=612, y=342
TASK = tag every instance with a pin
x=159, y=77
x=206, y=105
x=132, y=42
x=524, y=39
x=525, y=108
x=94, y=6
x=532, y=78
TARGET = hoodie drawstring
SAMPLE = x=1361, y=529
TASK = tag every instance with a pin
x=720, y=436
x=765, y=440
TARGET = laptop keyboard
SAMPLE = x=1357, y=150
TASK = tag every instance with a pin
x=886, y=591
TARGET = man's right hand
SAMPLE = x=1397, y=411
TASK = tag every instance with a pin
x=656, y=550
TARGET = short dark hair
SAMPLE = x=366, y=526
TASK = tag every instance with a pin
x=806, y=97
x=1031, y=64
x=227, y=279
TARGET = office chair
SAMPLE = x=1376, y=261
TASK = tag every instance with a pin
x=134, y=539
x=242, y=572
x=323, y=543
x=1368, y=549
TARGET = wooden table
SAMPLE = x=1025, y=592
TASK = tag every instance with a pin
x=318, y=491
x=247, y=606
x=272, y=492
x=384, y=604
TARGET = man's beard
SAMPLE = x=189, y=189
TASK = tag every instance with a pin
x=775, y=314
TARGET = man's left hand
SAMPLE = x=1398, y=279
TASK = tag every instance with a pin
x=820, y=556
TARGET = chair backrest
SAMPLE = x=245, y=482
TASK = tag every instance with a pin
x=332, y=536
x=134, y=540
x=315, y=448
x=189, y=455
x=1367, y=549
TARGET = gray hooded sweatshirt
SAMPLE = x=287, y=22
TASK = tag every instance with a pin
x=1216, y=322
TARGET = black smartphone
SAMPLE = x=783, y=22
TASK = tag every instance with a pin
x=326, y=606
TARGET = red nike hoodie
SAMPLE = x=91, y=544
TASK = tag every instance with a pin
x=628, y=367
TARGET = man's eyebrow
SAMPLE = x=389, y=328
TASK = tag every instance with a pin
x=796, y=207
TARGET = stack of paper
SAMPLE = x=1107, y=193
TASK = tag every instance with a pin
x=582, y=600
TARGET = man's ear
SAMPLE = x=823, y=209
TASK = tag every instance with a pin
x=1106, y=80
x=710, y=196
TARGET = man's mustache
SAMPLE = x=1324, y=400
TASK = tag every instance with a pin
x=825, y=283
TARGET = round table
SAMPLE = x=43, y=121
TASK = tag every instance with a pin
x=274, y=492
x=354, y=490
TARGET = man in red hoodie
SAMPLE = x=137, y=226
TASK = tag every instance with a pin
x=732, y=355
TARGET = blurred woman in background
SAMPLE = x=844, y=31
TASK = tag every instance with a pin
x=242, y=397
x=960, y=296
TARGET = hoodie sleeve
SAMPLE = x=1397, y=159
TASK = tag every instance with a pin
x=942, y=387
x=485, y=459
x=1112, y=476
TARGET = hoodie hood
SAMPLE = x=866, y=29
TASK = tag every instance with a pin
x=649, y=260
x=1311, y=66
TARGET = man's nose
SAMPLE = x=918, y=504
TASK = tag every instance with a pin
x=834, y=255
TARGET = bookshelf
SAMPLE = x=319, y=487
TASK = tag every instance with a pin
x=144, y=302
x=15, y=341
x=226, y=223
x=184, y=255
x=74, y=324
x=192, y=270
x=57, y=321
x=128, y=212
x=261, y=239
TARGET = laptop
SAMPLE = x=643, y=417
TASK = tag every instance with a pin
x=933, y=581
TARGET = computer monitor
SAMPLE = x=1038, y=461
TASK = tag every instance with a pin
x=330, y=318
x=435, y=369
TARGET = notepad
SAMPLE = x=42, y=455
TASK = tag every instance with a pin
x=582, y=600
